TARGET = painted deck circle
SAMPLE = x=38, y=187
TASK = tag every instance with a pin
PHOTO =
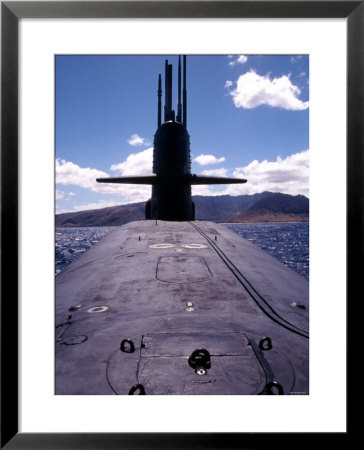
x=194, y=246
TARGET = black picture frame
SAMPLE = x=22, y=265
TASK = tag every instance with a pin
x=11, y=12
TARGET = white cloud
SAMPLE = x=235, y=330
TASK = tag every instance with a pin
x=204, y=160
x=215, y=172
x=253, y=90
x=96, y=205
x=295, y=59
x=202, y=189
x=89, y=206
x=240, y=59
x=135, y=139
x=228, y=84
x=289, y=176
x=136, y=164
x=61, y=210
x=59, y=194
x=69, y=173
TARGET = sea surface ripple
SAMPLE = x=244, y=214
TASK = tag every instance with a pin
x=73, y=241
x=288, y=242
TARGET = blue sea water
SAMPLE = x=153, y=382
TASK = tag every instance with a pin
x=288, y=242
x=72, y=242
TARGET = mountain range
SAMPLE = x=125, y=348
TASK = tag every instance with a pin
x=263, y=207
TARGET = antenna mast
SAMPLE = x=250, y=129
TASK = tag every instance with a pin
x=179, y=106
x=159, y=100
x=184, y=93
x=168, y=113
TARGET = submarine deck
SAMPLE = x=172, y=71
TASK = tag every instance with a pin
x=134, y=309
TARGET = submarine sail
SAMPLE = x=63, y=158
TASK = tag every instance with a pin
x=171, y=185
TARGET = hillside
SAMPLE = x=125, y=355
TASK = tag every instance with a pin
x=111, y=216
x=220, y=207
x=275, y=208
x=223, y=208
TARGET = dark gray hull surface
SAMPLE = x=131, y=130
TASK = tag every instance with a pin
x=180, y=308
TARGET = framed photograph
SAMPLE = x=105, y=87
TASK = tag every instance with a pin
x=42, y=43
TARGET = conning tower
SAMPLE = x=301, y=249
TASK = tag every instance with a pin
x=171, y=185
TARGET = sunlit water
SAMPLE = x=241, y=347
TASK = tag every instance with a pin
x=288, y=242
x=72, y=242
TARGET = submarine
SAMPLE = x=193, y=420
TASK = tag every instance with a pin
x=171, y=305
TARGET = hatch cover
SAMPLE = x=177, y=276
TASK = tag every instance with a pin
x=161, y=363
x=164, y=367
x=182, y=269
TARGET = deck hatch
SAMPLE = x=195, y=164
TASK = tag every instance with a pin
x=182, y=269
x=164, y=369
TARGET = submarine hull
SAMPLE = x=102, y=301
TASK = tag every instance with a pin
x=175, y=308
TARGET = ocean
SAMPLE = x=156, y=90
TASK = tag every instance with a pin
x=72, y=242
x=288, y=242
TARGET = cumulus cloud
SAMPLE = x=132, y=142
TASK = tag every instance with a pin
x=289, y=176
x=295, y=59
x=59, y=194
x=203, y=189
x=136, y=164
x=136, y=140
x=69, y=173
x=215, y=172
x=253, y=90
x=96, y=205
x=85, y=207
x=228, y=83
x=239, y=59
x=204, y=160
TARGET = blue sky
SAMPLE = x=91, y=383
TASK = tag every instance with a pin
x=248, y=116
